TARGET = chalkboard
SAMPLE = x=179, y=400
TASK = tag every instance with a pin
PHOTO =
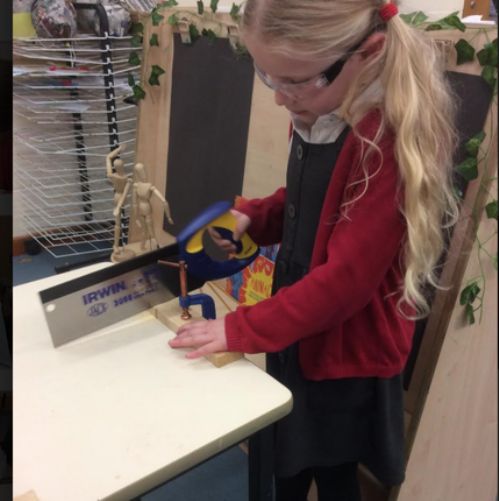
x=209, y=121
x=473, y=96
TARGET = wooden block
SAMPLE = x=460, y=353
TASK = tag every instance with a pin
x=224, y=358
x=169, y=314
x=27, y=496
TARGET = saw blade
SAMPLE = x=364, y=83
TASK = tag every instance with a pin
x=86, y=304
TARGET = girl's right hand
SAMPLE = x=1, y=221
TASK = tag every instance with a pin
x=242, y=224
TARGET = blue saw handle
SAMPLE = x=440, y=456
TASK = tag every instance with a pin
x=190, y=240
x=228, y=235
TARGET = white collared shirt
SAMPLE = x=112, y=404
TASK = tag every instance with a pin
x=327, y=128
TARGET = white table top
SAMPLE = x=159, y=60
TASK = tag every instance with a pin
x=116, y=413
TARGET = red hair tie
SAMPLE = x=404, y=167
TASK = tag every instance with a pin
x=388, y=11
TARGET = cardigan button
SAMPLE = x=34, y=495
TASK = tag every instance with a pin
x=299, y=151
x=291, y=211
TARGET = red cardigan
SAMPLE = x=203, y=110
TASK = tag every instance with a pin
x=343, y=312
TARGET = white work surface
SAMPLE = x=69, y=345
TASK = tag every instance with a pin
x=116, y=413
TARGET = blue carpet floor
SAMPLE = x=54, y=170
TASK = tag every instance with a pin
x=222, y=478
x=26, y=268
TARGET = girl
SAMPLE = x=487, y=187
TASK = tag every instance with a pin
x=360, y=224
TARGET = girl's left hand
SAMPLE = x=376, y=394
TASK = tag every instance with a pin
x=206, y=336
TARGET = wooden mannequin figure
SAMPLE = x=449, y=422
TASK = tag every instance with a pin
x=141, y=205
x=121, y=184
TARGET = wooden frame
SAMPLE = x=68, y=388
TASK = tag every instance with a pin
x=476, y=8
x=267, y=147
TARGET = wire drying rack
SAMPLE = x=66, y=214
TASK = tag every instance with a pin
x=72, y=106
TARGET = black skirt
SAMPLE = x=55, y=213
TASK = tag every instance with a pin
x=339, y=421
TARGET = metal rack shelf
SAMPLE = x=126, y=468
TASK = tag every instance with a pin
x=72, y=106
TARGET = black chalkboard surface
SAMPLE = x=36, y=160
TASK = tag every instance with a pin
x=209, y=122
x=473, y=96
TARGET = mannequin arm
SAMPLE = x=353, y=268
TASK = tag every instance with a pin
x=122, y=199
x=110, y=157
x=166, y=205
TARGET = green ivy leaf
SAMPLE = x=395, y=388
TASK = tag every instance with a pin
x=454, y=21
x=200, y=5
x=194, y=32
x=156, y=17
x=469, y=293
x=465, y=51
x=210, y=34
x=489, y=74
x=473, y=145
x=134, y=59
x=241, y=51
x=137, y=28
x=154, y=40
x=469, y=314
x=213, y=5
x=234, y=11
x=494, y=261
x=167, y=4
x=449, y=22
x=136, y=40
x=173, y=20
x=468, y=169
x=156, y=72
x=491, y=210
x=488, y=55
x=138, y=93
x=414, y=18
x=131, y=80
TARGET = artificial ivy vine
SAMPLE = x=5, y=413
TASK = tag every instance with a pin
x=174, y=20
x=472, y=295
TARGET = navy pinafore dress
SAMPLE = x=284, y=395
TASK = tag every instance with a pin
x=332, y=421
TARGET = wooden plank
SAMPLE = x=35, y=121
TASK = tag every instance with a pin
x=169, y=314
x=154, y=121
x=476, y=8
x=27, y=496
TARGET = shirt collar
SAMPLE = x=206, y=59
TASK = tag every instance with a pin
x=327, y=128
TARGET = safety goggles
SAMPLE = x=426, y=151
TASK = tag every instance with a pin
x=308, y=86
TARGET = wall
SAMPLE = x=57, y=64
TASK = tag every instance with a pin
x=434, y=10
x=430, y=7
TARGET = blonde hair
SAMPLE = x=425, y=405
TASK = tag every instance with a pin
x=416, y=103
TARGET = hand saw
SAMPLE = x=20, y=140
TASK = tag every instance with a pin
x=99, y=299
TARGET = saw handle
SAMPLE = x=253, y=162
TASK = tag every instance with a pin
x=190, y=240
x=227, y=234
